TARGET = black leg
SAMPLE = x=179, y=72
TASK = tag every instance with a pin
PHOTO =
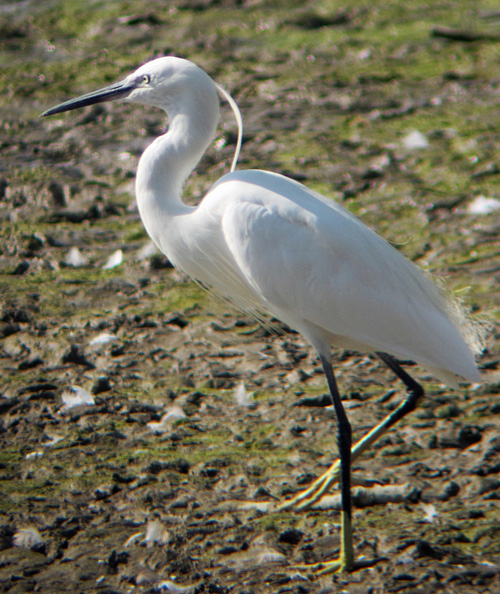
x=344, y=437
x=413, y=388
x=341, y=469
x=336, y=471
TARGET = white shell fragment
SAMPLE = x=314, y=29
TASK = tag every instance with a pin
x=76, y=396
x=242, y=397
x=75, y=258
x=430, y=512
x=103, y=339
x=114, y=260
x=482, y=205
x=415, y=140
x=156, y=533
x=27, y=538
x=174, y=414
x=173, y=588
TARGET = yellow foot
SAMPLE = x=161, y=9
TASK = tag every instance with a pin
x=336, y=566
x=322, y=485
x=318, y=489
x=307, y=498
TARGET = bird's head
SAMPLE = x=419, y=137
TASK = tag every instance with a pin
x=166, y=82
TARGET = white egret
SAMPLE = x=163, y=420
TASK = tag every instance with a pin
x=271, y=245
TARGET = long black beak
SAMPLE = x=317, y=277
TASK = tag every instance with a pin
x=117, y=90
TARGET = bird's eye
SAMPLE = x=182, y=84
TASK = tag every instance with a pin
x=146, y=79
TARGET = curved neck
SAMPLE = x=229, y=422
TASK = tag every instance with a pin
x=168, y=161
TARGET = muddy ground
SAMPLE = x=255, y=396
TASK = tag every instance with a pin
x=138, y=412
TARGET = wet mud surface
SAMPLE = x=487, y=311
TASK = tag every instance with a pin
x=148, y=430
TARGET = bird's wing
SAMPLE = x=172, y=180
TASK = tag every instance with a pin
x=316, y=266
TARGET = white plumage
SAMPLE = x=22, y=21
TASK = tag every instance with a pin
x=269, y=244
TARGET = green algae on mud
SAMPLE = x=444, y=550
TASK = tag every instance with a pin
x=328, y=93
